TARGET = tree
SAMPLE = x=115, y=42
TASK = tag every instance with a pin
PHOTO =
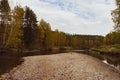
x=48, y=36
x=15, y=38
x=75, y=42
x=116, y=16
x=56, y=38
x=112, y=38
x=30, y=29
x=5, y=20
x=62, y=39
x=42, y=32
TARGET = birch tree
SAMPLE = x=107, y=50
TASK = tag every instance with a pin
x=5, y=20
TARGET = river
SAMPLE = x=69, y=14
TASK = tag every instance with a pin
x=111, y=60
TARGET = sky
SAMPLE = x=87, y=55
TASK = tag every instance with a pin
x=73, y=16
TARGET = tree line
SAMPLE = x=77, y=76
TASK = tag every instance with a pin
x=20, y=29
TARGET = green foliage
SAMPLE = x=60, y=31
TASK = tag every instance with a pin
x=30, y=29
x=112, y=38
x=46, y=35
x=5, y=27
x=116, y=16
x=55, y=37
x=15, y=39
x=4, y=6
x=86, y=41
x=61, y=39
x=108, y=48
x=21, y=30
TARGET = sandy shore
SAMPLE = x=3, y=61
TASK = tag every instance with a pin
x=66, y=66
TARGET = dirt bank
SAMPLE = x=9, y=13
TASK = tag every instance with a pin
x=66, y=66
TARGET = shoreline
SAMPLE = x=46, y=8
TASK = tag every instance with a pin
x=64, y=66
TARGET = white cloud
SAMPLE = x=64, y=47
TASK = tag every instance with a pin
x=74, y=16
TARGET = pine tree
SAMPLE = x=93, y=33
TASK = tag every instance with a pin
x=30, y=28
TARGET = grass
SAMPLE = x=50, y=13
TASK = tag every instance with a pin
x=108, y=48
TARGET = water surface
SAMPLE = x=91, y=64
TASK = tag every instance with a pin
x=111, y=60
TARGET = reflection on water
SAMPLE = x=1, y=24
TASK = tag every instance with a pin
x=117, y=67
x=112, y=60
x=8, y=61
x=43, y=53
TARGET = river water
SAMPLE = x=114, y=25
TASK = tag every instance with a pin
x=111, y=60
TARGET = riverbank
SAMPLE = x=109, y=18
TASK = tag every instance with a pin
x=108, y=49
x=66, y=66
x=8, y=60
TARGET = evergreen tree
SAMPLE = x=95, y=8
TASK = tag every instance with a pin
x=30, y=28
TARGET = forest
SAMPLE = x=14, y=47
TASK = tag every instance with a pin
x=20, y=30
x=26, y=45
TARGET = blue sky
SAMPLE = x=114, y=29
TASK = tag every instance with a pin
x=74, y=16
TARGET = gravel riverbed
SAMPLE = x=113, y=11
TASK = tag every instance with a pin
x=65, y=66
